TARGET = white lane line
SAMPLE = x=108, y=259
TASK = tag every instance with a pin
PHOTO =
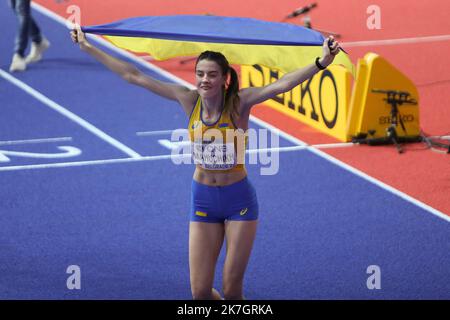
x=285, y=135
x=30, y=141
x=386, y=42
x=69, y=152
x=302, y=147
x=440, y=137
x=68, y=114
x=154, y=133
x=355, y=171
x=169, y=145
x=377, y=182
x=173, y=145
x=82, y=163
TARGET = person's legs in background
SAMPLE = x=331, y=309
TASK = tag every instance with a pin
x=27, y=27
x=38, y=43
x=18, y=62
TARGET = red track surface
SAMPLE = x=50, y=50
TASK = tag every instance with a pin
x=424, y=174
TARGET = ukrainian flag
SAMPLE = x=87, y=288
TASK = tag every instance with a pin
x=244, y=41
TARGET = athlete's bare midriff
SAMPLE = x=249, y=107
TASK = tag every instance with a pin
x=217, y=178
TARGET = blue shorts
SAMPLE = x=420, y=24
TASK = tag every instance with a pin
x=213, y=204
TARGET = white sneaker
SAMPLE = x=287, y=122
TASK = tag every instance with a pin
x=18, y=63
x=37, y=50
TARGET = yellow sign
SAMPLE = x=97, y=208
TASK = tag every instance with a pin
x=321, y=102
x=378, y=86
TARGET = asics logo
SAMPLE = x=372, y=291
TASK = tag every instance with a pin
x=243, y=211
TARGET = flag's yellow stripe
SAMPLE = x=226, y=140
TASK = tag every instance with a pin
x=282, y=58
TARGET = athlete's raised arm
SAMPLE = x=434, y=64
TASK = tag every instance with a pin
x=133, y=75
x=255, y=95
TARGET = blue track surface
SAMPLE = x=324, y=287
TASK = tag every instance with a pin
x=126, y=224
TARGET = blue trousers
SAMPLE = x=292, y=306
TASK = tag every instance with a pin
x=27, y=26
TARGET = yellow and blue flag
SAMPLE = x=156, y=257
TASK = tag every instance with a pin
x=244, y=41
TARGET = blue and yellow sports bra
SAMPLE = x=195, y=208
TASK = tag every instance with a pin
x=219, y=145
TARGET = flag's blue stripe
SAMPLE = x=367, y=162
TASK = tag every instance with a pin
x=211, y=29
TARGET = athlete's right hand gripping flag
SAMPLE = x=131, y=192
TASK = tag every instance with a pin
x=243, y=41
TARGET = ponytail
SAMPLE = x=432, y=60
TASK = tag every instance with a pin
x=232, y=97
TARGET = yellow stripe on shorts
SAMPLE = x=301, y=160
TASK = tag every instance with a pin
x=201, y=214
